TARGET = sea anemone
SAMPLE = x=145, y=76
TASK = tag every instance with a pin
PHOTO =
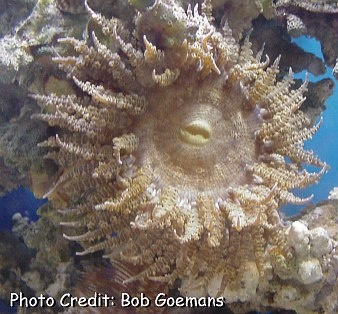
x=178, y=148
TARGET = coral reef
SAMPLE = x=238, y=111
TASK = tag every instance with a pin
x=275, y=39
x=19, y=154
x=316, y=96
x=240, y=14
x=31, y=265
x=176, y=135
x=14, y=258
x=326, y=6
x=27, y=44
x=306, y=283
x=26, y=66
x=319, y=18
x=315, y=265
x=177, y=151
x=11, y=14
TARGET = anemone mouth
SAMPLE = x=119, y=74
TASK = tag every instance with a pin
x=197, y=132
x=196, y=144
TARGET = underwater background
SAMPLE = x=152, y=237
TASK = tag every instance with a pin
x=324, y=143
x=44, y=238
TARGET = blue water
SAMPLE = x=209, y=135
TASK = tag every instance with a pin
x=6, y=309
x=21, y=200
x=324, y=142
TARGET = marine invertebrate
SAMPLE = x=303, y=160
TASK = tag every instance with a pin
x=178, y=148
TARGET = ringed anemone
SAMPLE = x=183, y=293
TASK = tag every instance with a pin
x=178, y=147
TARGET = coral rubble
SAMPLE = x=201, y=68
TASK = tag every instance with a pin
x=178, y=148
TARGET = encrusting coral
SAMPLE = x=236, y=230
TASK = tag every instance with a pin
x=178, y=148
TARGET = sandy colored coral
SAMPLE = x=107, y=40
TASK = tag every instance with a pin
x=176, y=152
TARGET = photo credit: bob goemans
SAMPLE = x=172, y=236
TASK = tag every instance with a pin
x=104, y=300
